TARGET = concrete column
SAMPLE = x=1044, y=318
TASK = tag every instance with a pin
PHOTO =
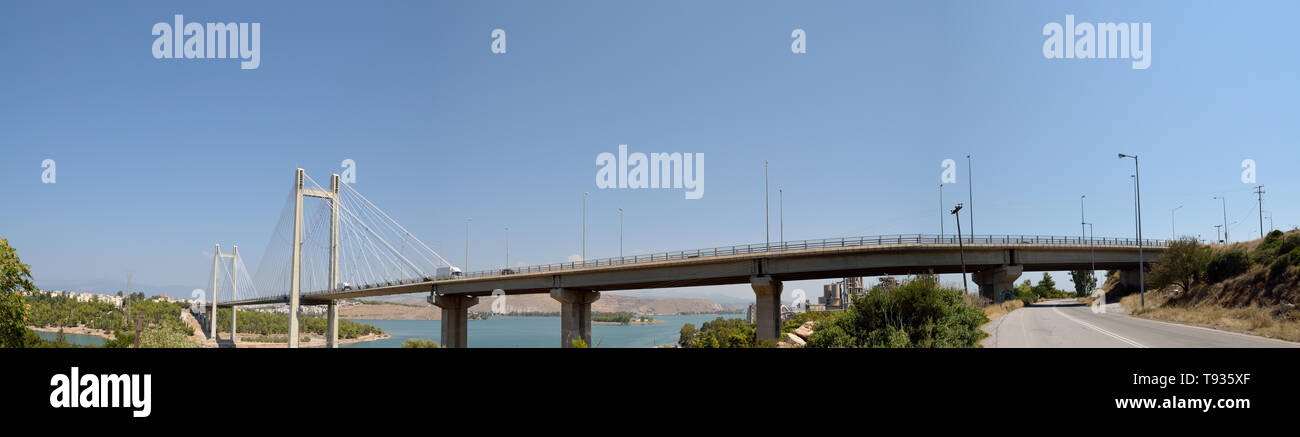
x=575, y=314
x=1129, y=282
x=455, y=318
x=767, y=307
x=332, y=325
x=998, y=283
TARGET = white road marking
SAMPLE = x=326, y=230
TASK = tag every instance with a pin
x=1098, y=329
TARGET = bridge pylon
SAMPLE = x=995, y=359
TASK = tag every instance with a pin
x=295, y=282
x=234, y=281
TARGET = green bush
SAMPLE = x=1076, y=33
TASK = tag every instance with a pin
x=419, y=343
x=919, y=313
x=1226, y=264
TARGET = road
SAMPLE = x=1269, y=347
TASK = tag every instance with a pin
x=1066, y=323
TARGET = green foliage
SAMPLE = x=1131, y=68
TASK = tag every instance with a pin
x=15, y=280
x=419, y=343
x=1085, y=282
x=722, y=333
x=121, y=340
x=1183, y=263
x=158, y=337
x=1045, y=286
x=1226, y=264
x=265, y=324
x=797, y=320
x=919, y=313
x=619, y=317
x=578, y=343
x=687, y=335
x=51, y=310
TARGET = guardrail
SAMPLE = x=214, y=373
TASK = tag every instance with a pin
x=825, y=243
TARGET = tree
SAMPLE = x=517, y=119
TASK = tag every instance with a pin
x=918, y=313
x=419, y=343
x=688, y=334
x=1046, y=286
x=15, y=281
x=1183, y=263
x=1084, y=282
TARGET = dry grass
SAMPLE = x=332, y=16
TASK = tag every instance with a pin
x=994, y=311
x=1253, y=319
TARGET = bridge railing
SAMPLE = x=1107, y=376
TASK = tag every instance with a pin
x=824, y=243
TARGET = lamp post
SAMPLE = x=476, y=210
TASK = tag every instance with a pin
x=467, y=221
x=1173, y=231
x=1137, y=188
x=1082, y=222
x=620, y=233
x=767, y=212
x=940, y=211
x=780, y=202
x=961, y=247
x=970, y=186
x=584, y=227
x=1092, y=254
x=507, y=247
x=1224, y=202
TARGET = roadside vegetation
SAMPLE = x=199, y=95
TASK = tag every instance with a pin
x=1247, y=287
x=419, y=343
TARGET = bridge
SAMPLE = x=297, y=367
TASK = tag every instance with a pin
x=367, y=254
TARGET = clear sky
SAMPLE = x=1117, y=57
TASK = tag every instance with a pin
x=158, y=159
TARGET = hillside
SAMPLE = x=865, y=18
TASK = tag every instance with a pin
x=414, y=307
x=1248, y=286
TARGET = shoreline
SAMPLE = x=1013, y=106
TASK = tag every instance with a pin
x=79, y=329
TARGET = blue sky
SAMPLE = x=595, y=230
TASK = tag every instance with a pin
x=158, y=159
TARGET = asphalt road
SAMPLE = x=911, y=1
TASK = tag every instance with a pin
x=1066, y=323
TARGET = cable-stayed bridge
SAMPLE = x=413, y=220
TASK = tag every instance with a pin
x=332, y=244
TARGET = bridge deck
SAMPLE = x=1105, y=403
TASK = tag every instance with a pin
x=811, y=259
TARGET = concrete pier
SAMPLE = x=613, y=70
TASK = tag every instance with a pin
x=455, y=318
x=575, y=314
x=767, y=306
x=332, y=325
x=998, y=284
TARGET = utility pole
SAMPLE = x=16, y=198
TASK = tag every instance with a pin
x=1259, y=191
x=1216, y=233
x=962, y=248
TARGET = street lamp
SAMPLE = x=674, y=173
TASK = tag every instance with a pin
x=584, y=227
x=467, y=221
x=1081, y=219
x=1173, y=232
x=1137, y=188
x=620, y=233
x=940, y=211
x=1092, y=254
x=767, y=211
x=780, y=202
x=1224, y=201
x=970, y=187
x=961, y=247
x=507, y=247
